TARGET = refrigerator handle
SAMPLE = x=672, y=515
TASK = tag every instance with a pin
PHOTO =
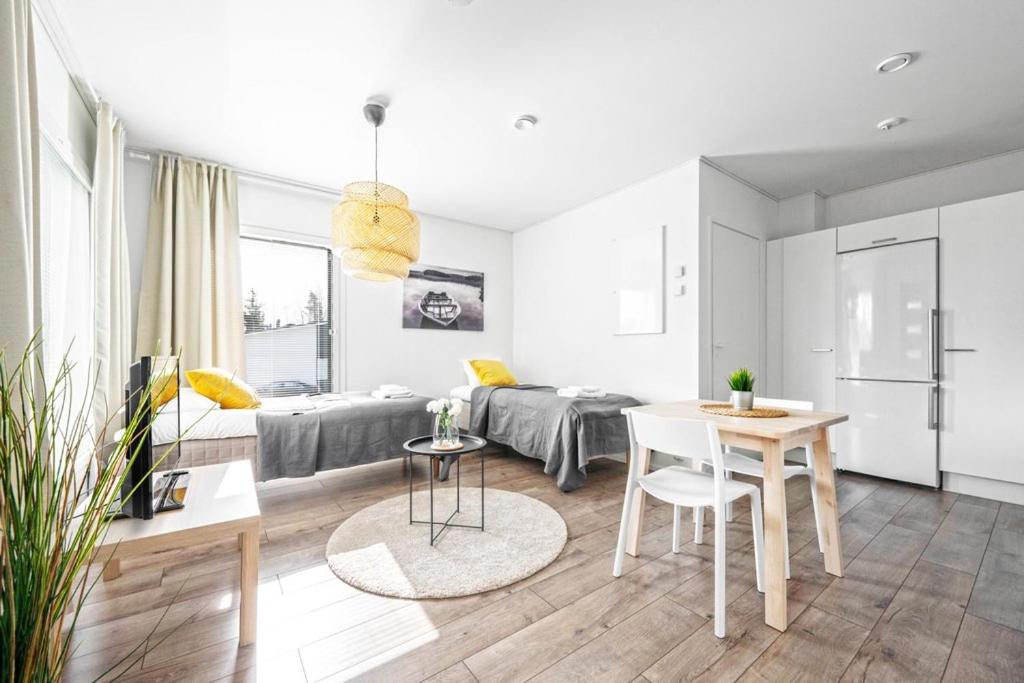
x=933, y=340
x=933, y=407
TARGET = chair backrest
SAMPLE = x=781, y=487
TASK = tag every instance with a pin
x=782, y=403
x=696, y=439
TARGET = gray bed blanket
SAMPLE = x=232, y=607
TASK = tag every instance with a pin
x=353, y=429
x=563, y=432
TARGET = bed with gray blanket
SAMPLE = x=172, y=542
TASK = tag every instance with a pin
x=563, y=432
x=354, y=430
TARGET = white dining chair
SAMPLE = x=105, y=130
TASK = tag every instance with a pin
x=744, y=464
x=683, y=487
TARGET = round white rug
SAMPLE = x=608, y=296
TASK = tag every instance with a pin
x=377, y=550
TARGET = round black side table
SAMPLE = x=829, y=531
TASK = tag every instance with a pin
x=421, y=445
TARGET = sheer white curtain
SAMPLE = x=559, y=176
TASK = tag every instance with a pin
x=112, y=276
x=20, y=303
x=191, y=285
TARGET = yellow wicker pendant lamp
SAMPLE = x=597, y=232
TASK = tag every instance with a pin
x=373, y=231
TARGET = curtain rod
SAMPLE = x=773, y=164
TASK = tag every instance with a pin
x=147, y=155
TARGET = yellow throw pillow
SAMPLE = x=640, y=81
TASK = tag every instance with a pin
x=492, y=373
x=164, y=387
x=223, y=387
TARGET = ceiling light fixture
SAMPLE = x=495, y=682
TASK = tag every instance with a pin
x=894, y=63
x=525, y=122
x=889, y=124
x=372, y=229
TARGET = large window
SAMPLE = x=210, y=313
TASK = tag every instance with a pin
x=66, y=272
x=287, y=304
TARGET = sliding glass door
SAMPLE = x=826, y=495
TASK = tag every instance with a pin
x=287, y=309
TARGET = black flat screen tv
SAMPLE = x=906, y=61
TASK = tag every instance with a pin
x=137, y=492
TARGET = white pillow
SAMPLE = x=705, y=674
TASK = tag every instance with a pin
x=190, y=400
x=471, y=378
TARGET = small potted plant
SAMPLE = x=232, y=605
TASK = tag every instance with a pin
x=742, y=384
x=446, y=432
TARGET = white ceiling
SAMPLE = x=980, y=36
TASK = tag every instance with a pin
x=782, y=93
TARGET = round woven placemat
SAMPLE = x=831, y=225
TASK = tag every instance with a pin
x=727, y=409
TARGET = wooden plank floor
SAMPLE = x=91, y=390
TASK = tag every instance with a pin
x=934, y=590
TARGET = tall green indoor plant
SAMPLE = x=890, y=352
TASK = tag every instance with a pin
x=52, y=517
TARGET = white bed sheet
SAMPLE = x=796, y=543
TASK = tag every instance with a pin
x=464, y=392
x=213, y=424
x=222, y=423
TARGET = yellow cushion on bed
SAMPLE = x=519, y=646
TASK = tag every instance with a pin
x=492, y=373
x=223, y=387
x=164, y=387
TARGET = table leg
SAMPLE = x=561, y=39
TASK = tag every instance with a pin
x=112, y=569
x=636, y=513
x=828, y=508
x=250, y=575
x=433, y=461
x=481, y=456
x=774, y=536
x=410, y=488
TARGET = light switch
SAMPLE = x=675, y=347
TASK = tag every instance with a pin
x=680, y=271
x=680, y=290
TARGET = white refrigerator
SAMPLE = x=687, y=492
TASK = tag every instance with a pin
x=887, y=361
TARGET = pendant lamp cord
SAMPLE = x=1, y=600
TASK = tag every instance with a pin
x=376, y=189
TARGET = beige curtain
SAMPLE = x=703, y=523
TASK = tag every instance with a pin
x=20, y=305
x=112, y=274
x=191, y=286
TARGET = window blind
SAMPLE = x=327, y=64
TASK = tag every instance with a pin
x=287, y=310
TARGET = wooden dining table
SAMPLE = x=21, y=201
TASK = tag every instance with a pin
x=772, y=437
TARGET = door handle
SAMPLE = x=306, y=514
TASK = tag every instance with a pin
x=884, y=240
x=822, y=350
x=961, y=350
x=718, y=346
x=933, y=339
x=933, y=408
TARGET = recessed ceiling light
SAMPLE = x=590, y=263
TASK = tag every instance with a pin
x=525, y=122
x=894, y=63
x=889, y=124
x=459, y=3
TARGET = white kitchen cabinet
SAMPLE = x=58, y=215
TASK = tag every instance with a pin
x=809, y=318
x=907, y=227
x=981, y=244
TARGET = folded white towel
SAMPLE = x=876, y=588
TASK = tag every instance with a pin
x=394, y=388
x=579, y=392
x=378, y=394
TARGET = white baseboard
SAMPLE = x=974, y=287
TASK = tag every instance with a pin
x=1004, y=491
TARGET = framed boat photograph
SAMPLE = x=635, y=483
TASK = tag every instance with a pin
x=437, y=298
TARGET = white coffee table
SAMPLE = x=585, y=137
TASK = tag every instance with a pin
x=221, y=502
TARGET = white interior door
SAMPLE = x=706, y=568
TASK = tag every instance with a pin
x=809, y=318
x=981, y=243
x=736, y=306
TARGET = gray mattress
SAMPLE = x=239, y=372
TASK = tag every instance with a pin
x=355, y=431
x=563, y=432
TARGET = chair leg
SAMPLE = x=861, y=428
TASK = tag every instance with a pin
x=620, y=548
x=728, y=506
x=720, y=573
x=758, y=520
x=698, y=525
x=677, y=514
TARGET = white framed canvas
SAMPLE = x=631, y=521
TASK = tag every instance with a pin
x=638, y=272
x=438, y=298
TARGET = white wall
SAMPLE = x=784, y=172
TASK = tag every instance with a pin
x=729, y=202
x=971, y=180
x=799, y=214
x=564, y=316
x=374, y=348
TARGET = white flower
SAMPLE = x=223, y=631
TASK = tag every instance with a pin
x=432, y=407
x=444, y=404
x=456, y=408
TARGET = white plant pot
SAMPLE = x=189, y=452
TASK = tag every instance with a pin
x=742, y=400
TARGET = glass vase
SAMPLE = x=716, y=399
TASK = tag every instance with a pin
x=446, y=433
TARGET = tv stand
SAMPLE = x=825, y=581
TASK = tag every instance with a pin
x=221, y=502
